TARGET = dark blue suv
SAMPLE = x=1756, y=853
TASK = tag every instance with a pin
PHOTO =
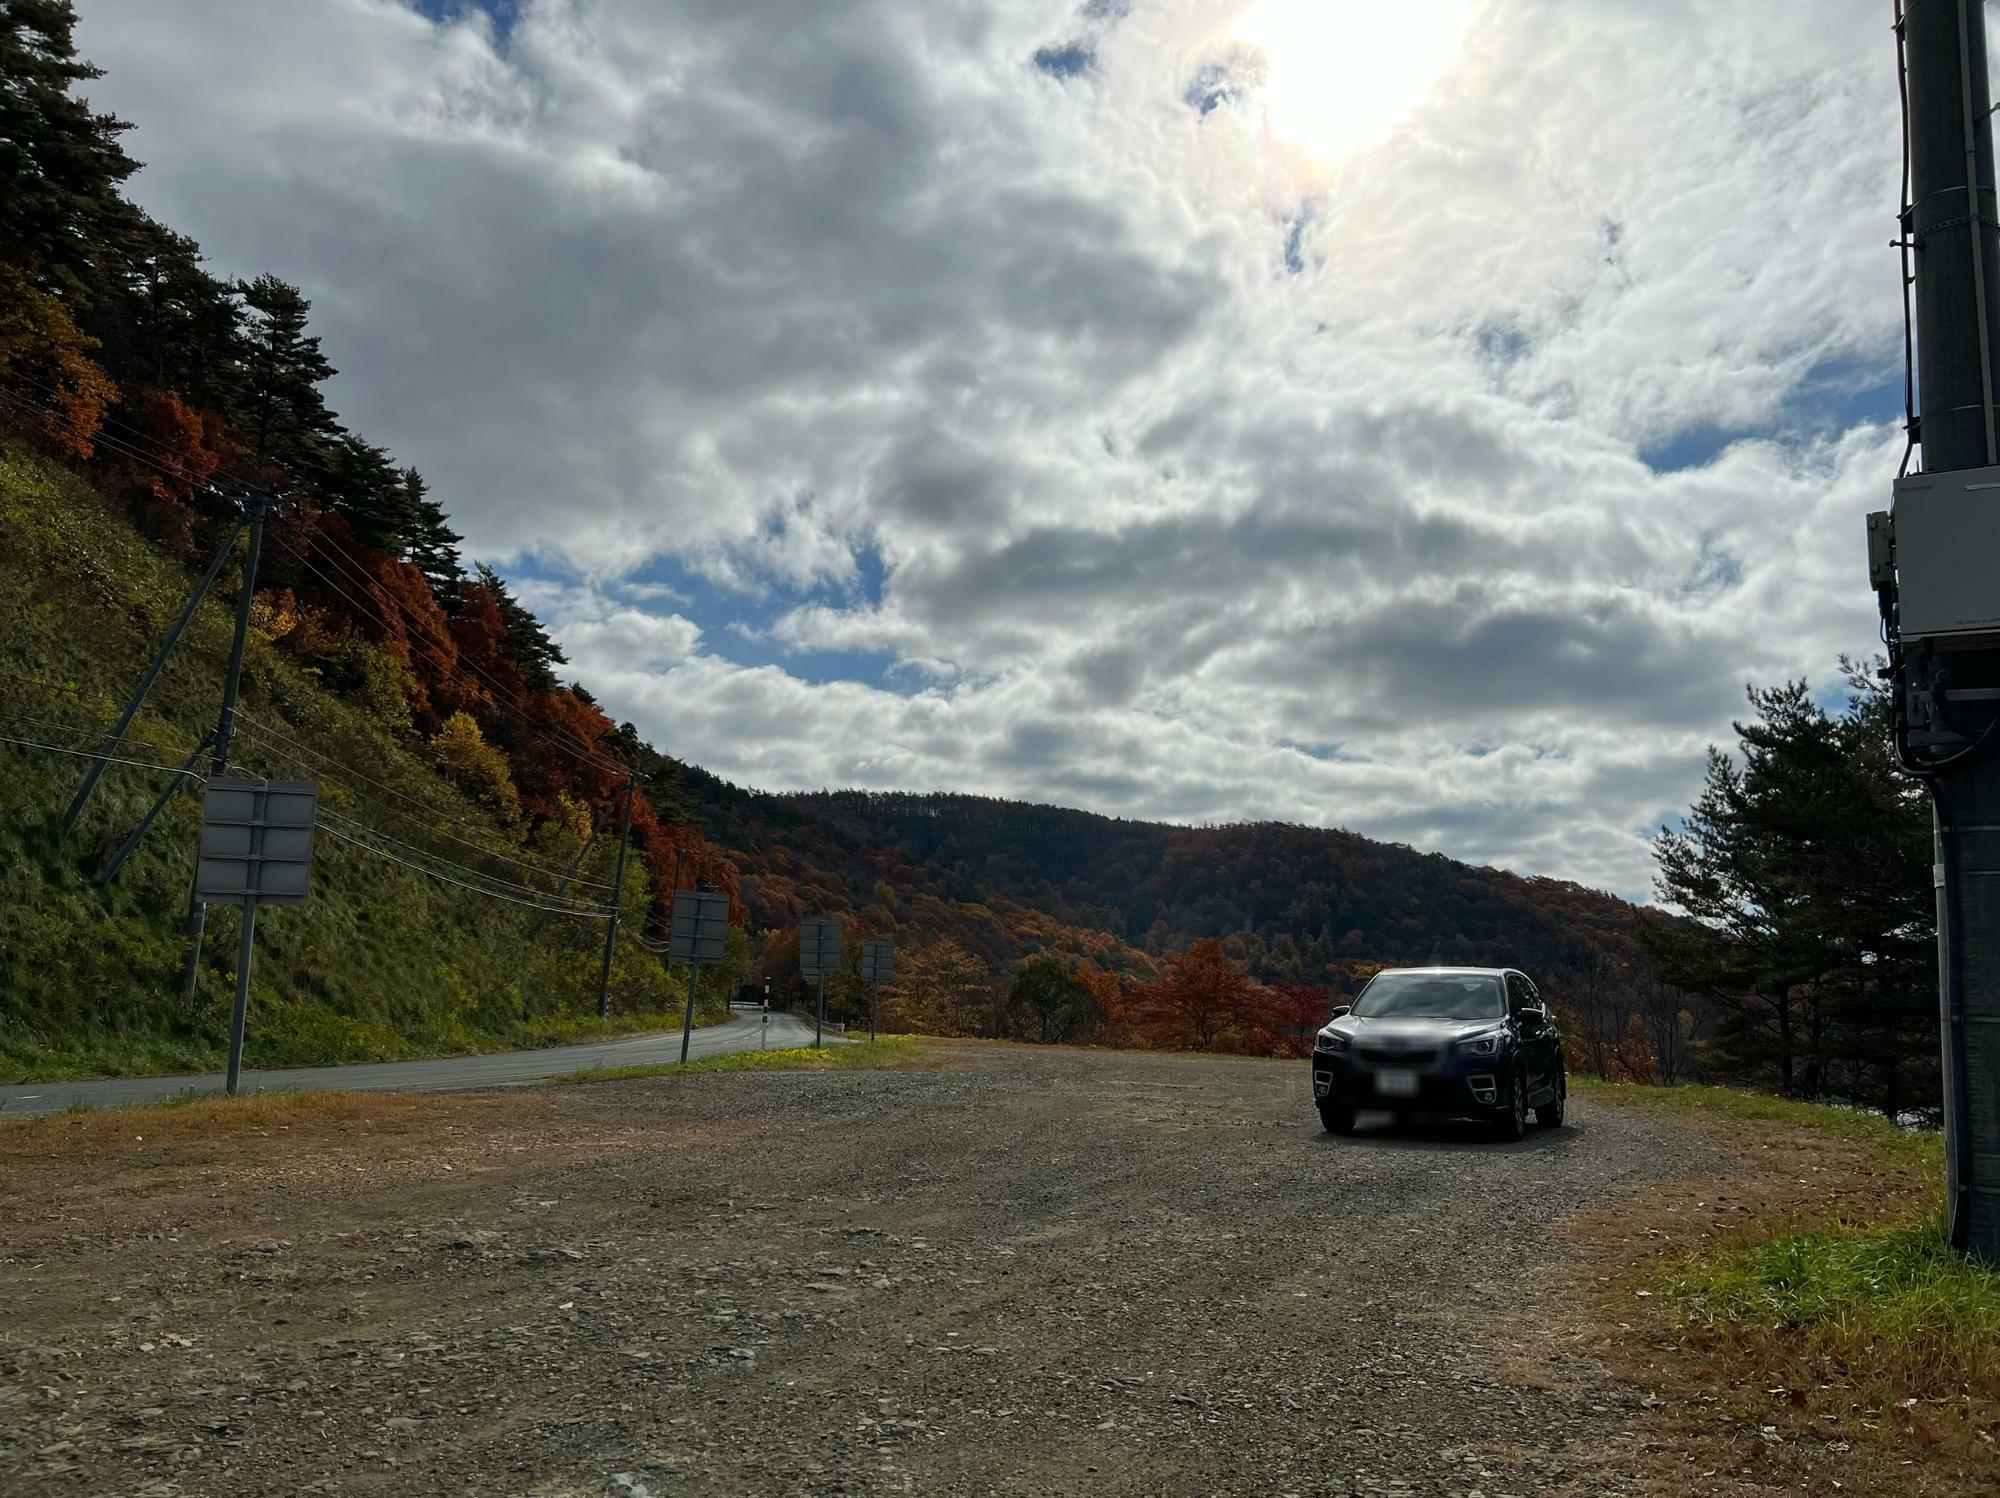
x=1469, y=1041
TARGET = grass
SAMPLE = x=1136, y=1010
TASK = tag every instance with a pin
x=1923, y=1149
x=382, y=963
x=194, y=1115
x=1835, y=1311
x=1854, y=1287
x=892, y=1054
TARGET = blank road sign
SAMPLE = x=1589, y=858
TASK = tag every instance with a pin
x=878, y=961
x=819, y=948
x=698, y=926
x=256, y=841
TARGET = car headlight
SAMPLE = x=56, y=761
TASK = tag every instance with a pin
x=1482, y=1045
x=1328, y=1040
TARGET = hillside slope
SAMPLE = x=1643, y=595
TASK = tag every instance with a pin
x=384, y=961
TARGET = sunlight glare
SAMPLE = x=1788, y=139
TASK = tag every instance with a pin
x=1343, y=73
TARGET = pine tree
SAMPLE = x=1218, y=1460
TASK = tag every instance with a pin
x=1806, y=871
x=60, y=163
x=282, y=413
x=431, y=545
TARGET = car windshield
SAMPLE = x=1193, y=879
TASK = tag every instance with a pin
x=1433, y=996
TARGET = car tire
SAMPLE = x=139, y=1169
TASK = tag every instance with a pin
x=1550, y=1114
x=1336, y=1120
x=1512, y=1124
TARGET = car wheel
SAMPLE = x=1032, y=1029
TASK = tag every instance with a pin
x=1336, y=1120
x=1550, y=1114
x=1513, y=1120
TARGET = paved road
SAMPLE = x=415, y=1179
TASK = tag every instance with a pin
x=446, y=1074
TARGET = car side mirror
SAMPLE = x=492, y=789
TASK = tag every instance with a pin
x=1342, y=1010
x=1532, y=1021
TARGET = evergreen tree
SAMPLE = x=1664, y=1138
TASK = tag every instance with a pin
x=283, y=416
x=165, y=322
x=1806, y=870
x=431, y=545
x=365, y=488
x=60, y=163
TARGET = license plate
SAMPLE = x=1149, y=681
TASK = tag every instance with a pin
x=1396, y=1083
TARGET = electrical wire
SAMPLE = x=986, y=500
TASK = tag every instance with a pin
x=595, y=913
x=510, y=891
x=78, y=731
x=1904, y=226
x=568, y=743
x=276, y=743
x=109, y=759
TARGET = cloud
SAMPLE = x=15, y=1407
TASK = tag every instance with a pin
x=1163, y=470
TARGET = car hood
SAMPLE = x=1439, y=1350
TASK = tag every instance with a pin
x=1411, y=1031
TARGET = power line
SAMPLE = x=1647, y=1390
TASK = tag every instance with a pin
x=563, y=739
x=79, y=731
x=275, y=742
x=109, y=759
x=593, y=913
x=572, y=907
x=508, y=884
x=567, y=742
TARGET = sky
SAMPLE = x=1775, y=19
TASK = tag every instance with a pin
x=1423, y=419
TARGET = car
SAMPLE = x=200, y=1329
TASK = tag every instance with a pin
x=1474, y=1042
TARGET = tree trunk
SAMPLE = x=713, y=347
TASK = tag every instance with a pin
x=1782, y=998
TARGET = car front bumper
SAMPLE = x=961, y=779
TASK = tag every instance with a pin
x=1449, y=1084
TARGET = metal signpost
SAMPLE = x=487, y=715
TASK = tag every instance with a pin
x=256, y=849
x=695, y=933
x=878, y=966
x=819, y=954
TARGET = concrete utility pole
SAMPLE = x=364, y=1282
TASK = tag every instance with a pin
x=1934, y=566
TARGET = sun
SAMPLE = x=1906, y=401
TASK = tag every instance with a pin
x=1343, y=73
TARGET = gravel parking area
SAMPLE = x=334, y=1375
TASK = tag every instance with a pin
x=1026, y=1272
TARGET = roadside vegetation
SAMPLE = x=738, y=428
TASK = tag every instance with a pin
x=892, y=1053
x=206, y=1115
x=1813, y=1320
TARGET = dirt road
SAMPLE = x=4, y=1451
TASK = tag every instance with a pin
x=1025, y=1273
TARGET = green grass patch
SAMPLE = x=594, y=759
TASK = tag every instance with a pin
x=1889, y=1313
x=1923, y=1148
x=892, y=1054
x=1902, y=1282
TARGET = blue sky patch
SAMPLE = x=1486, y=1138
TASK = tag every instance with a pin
x=736, y=623
x=1834, y=397
x=1067, y=61
x=504, y=13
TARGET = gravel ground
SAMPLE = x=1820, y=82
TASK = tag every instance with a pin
x=1029, y=1272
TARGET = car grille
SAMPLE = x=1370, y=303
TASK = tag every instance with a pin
x=1376, y=1055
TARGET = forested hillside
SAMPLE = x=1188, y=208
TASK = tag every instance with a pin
x=1307, y=913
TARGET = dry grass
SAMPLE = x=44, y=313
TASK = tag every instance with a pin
x=891, y=1053
x=1802, y=1320
x=99, y=1131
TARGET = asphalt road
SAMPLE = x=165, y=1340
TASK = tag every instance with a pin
x=446, y=1074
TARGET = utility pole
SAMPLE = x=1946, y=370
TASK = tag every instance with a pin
x=258, y=508
x=153, y=669
x=617, y=903
x=1932, y=566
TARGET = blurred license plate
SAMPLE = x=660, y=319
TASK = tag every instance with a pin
x=1396, y=1083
